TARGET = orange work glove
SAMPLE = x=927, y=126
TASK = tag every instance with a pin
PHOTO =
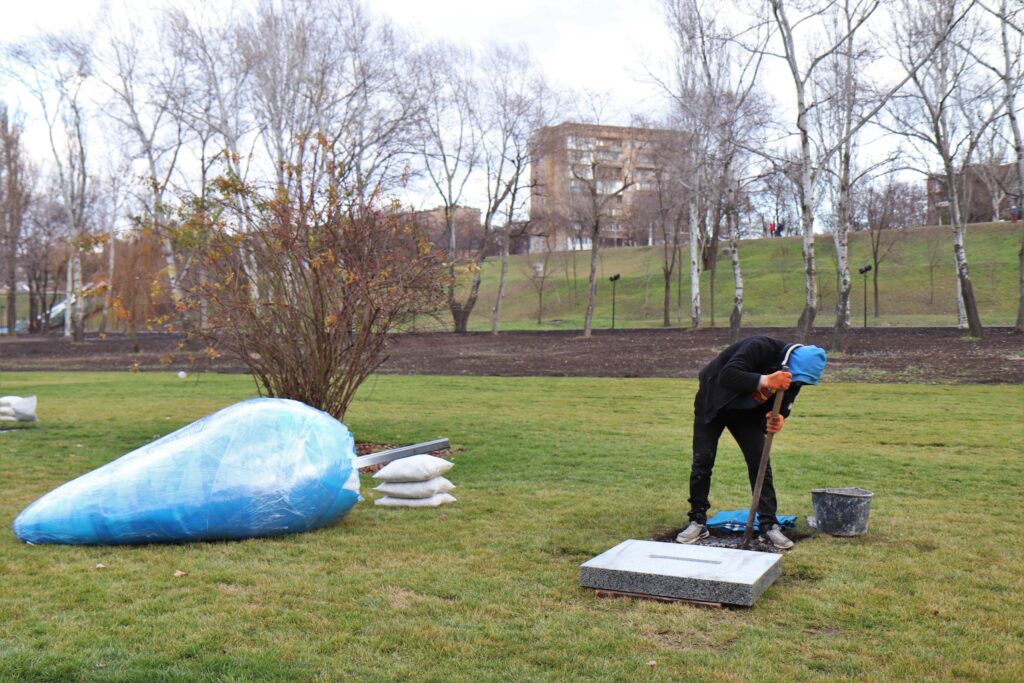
x=775, y=423
x=777, y=380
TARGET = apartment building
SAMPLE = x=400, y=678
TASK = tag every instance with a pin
x=466, y=221
x=986, y=193
x=580, y=168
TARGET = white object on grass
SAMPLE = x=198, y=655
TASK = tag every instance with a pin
x=414, y=468
x=182, y=374
x=16, y=408
x=432, y=502
x=415, y=489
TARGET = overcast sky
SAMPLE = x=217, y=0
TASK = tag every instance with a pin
x=599, y=45
x=604, y=46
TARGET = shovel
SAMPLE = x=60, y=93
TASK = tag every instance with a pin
x=748, y=531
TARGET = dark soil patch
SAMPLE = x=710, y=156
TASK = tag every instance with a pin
x=922, y=355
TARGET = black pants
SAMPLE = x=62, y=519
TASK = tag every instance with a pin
x=747, y=427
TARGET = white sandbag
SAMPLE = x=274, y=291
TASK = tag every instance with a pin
x=413, y=468
x=24, y=409
x=432, y=502
x=415, y=489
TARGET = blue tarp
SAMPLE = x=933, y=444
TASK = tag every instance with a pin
x=736, y=520
x=263, y=467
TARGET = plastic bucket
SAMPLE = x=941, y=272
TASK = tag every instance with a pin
x=841, y=512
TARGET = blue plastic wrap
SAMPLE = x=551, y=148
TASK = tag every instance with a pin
x=263, y=467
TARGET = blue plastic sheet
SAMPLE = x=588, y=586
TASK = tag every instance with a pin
x=736, y=520
x=263, y=467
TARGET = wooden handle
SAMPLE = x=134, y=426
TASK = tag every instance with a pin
x=748, y=531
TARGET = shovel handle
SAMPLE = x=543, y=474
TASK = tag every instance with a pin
x=748, y=531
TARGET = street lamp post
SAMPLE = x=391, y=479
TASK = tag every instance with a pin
x=614, y=279
x=864, y=271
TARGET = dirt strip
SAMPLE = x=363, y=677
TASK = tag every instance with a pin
x=904, y=355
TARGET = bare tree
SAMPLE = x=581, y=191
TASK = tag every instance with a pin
x=14, y=199
x=538, y=275
x=145, y=89
x=843, y=96
x=881, y=206
x=715, y=90
x=945, y=111
x=44, y=256
x=516, y=102
x=336, y=279
x=803, y=58
x=1008, y=67
x=55, y=69
x=450, y=151
x=661, y=207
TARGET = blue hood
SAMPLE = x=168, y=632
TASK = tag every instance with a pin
x=807, y=363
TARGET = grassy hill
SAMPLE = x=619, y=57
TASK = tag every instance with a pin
x=916, y=283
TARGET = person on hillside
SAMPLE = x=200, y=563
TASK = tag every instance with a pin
x=736, y=392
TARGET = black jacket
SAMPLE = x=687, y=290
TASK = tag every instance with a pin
x=737, y=372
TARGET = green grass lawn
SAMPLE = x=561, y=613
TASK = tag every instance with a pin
x=550, y=472
x=916, y=283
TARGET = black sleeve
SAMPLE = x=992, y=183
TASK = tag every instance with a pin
x=787, y=400
x=743, y=371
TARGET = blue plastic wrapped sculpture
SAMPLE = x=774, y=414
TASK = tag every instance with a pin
x=263, y=467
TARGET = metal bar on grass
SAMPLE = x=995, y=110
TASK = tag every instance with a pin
x=381, y=457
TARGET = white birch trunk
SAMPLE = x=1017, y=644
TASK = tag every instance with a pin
x=694, y=268
x=78, y=326
x=68, y=293
x=961, y=310
x=496, y=313
x=736, y=318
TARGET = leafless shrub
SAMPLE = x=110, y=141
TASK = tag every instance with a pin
x=307, y=294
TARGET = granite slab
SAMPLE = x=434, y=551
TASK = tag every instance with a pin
x=688, y=572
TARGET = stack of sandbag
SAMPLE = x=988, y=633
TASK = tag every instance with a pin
x=18, y=409
x=414, y=482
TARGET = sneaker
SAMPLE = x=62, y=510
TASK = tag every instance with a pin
x=692, y=533
x=777, y=538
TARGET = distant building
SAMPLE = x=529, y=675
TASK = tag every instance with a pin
x=468, y=229
x=986, y=194
x=573, y=162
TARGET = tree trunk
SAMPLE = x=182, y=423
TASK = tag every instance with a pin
x=1020, y=306
x=806, y=323
x=108, y=295
x=33, y=309
x=966, y=288
x=78, y=325
x=12, y=286
x=496, y=313
x=711, y=286
x=588, y=320
x=68, y=292
x=461, y=318
x=960, y=256
x=874, y=288
x=667, y=303
x=961, y=310
x=694, y=270
x=540, y=303
x=843, y=290
x=736, y=317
